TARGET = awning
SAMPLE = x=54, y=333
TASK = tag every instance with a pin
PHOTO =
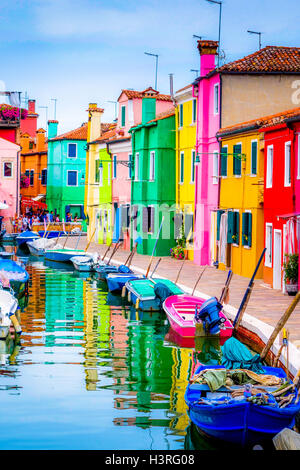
x=39, y=197
x=289, y=215
x=27, y=202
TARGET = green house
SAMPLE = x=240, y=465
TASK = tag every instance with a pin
x=153, y=179
x=66, y=171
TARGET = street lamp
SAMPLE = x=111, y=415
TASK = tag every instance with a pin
x=259, y=33
x=220, y=18
x=197, y=72
x=156, y=57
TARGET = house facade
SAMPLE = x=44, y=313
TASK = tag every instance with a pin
x=154, y=178
x=185, y=118
x=66, y=168
x=9, y=179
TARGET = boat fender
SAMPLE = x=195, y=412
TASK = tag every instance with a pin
x=16, y=324
x=209, y=315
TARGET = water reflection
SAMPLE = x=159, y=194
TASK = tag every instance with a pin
x=89, y=365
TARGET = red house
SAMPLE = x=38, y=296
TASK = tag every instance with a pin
x=281, y=192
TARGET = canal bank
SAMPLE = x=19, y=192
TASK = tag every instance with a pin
x=265, y=307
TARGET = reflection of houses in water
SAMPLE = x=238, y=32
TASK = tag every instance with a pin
x=96, y=336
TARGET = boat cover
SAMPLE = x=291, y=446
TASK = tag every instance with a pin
x=162, y=292
x=13, y=271
x=237, y=356
x=124, y=269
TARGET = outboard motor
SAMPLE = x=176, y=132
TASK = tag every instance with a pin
x=208, y=314
x=162, y=292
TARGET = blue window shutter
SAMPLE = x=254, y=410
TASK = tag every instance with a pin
x=67, y=209
x=130, y=166
x=82, y=215
x=72, y=150
x=72, y=178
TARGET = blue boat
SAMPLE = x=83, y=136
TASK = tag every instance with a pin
x=62, y=255
x=25, y=237
x=240, y=422
x=116, y=281
x=103, y=271
x=16, y=274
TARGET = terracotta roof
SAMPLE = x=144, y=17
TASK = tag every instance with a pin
x=184, y=88
x=77, y=134
x=164, y=114
x=270, y=59
x=107, y=133
x=140, y=94
x=262, y=122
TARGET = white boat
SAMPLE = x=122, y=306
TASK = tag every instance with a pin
x=8, y=307
x=37, y=247
x=84, y=263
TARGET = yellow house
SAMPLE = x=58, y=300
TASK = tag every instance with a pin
x=186, y=114
x=240, y=218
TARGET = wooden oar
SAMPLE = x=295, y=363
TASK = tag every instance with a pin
x=154, y=248
x=46, y=230
x=68, y=234
x=246, y=297
x=280, y=325
x=130, y=256
x=116, y=247
x=106, y=251
x=225, y=289
x=87, y=246
x=198, y=280
x=155, y=268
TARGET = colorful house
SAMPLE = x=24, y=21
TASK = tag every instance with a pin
x=9, y=179
x=34, y=169
x=66, y=171
x=154, y=177
x=29, y=125
x=281, y=192
x=240, y=218
x=186, y=117
x=256, y=85
x=98, y=192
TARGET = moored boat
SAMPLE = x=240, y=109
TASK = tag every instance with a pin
x=15, y=274
x=8, y=308
x=84, y=263
x=62, y=255
x=25, y=237
x=116, y=281
x=141, y=292
x=38, y=246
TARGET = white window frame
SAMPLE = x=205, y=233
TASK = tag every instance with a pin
x=269, y=171
x=108, y=173
x=137, y=167
x=215, y=167
x=254, y=174
x=72, y=185
x=181, y=181
x=72, y=143
x=193, y=166
x=287, y=164
x=12, y=170
x=101, y=175
x=298, y=158
x=114, y=166
x=216, y=101
x=269, y=254
x=152, y=166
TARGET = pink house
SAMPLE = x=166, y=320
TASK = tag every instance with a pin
x=207, y=90
x=129, y=115
x=9, y=178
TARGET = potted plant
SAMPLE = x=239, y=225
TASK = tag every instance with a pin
x=180, y=251
x=290, y=267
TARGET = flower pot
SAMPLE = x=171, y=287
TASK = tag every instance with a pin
x=292, y=289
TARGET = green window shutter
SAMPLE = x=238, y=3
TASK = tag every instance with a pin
x=181, y=115
x=97, y=171
x=237, y=227
x=249, y=229
x=224, y=152
x=193, y=165
x=230, y=226
x=194, y=110
x=254, y=158
x=237, y=164
x=123, y=116
x=181, y=167
x=219, y=213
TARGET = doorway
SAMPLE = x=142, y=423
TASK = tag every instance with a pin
x=277, y=253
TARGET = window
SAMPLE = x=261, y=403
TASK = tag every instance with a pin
x=193, y=166
x=194, y=110
x=100, y=171
x=152, y=166
x=189, y=227
x=287, y=164
x=137, y=167
x=72, y=150
x=298, y=166
x=237, y=159
x=130, y=166
x=114, y=175
x=181, y=180
x=216, y=99
x=219, y=215
x=215, y=167
x=7, y=169
x=108, y=173
x=268, y=254
x=254, y=157
x=247, y=229
x=180, y=115
x=148, y=219
x=44, y=177
x=224, y=155
x=269, y=176
x=71, y=178
x=233, y=229
x=123, y=116
x=31, y=177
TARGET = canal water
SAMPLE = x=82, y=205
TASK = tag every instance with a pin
x=92, y=373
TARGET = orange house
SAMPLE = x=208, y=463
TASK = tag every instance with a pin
x=34, y=169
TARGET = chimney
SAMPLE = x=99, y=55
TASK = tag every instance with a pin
x=149, y=105
x=208, y=52
x=40, y=140
x=31, y=106
x=24, y=142
x=52, y=129
x=94, y=126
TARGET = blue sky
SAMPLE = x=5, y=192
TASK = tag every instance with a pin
x=82, y=51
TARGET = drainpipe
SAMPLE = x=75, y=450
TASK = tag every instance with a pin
x=18, y=183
